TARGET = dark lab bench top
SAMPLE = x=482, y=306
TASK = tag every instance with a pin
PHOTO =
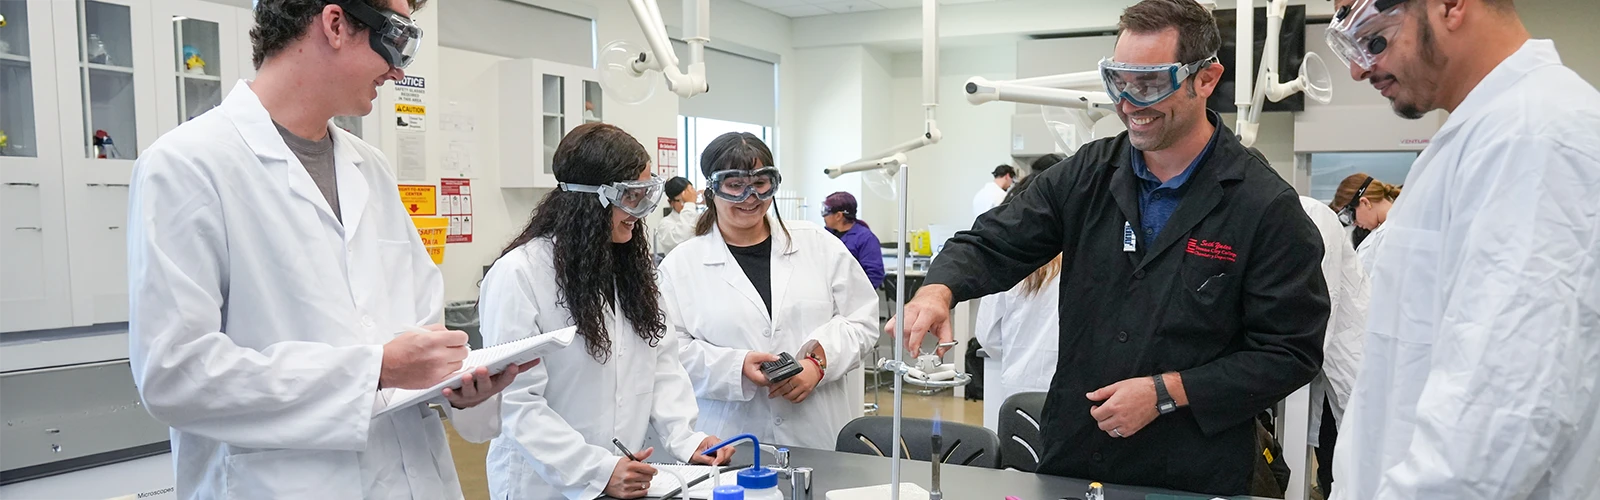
x=832, y=470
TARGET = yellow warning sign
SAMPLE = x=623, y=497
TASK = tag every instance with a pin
x=410, y=109
x=419, y=199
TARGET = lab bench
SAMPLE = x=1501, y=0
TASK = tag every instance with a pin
x=833, y=470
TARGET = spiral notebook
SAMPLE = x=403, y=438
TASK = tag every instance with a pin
x=496, y=358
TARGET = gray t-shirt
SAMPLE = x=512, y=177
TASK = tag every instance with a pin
x=317, y=156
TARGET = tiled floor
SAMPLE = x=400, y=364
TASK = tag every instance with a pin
x=474, y=483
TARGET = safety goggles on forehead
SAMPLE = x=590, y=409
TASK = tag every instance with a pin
x=637, y=198
x=1145, y=85
x=1347, y=215
x=1361, y=31
x=739, y=185
x=393, y=36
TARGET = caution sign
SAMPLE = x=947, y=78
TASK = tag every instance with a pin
x=419, y=199
x=410, y=116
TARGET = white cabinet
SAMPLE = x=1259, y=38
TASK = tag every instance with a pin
x=202, y=57
x=540, y=101
x=33, y=225
x=110, y=51
x=85, y=87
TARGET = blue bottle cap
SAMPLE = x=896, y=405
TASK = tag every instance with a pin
x=728, y=492
x=758, y=478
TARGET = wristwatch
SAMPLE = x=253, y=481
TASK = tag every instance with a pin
x=1164, y=402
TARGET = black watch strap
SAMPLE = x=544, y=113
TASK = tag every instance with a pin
x=1164, y=402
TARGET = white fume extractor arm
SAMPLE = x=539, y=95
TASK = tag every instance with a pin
x=697, y=21
x=893, y=157
x=1253, y=93
x=1064, y=90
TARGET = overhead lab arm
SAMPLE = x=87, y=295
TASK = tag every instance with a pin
x=1252, y=95
x=661, y=57
x=1045, y=91
x=894, y=157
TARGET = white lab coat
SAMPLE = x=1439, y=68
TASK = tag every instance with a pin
x=258, y=319
x=1348, y=295
x=675, y=229
x=559, y=418
x=819, y=293
x=988, y=197
x=1021, y=333
x=1367, y=253
x=1479, y=374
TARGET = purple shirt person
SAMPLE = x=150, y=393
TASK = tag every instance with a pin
x=839, y=215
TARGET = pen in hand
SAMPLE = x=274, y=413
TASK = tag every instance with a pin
x=624, y=449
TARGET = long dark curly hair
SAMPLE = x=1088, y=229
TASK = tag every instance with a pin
x=594, y=274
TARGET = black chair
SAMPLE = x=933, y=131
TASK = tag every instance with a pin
x=963, y=444
x=1020, y=443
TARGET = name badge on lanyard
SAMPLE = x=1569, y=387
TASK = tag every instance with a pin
x=1130, y=241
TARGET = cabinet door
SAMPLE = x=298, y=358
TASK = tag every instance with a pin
x=33, y=225
x=201, y=63
x=106, y=47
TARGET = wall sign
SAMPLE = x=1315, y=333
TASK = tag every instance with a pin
x=666, y=156
x=419, y=198
x=455, y=202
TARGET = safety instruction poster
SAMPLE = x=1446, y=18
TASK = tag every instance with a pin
x=455, y=202
x=419, y=199
x=666, y=156
x=410, y=110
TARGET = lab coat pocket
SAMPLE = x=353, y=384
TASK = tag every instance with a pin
x=1207, y=287
x=1405, y=285
x=293, y=474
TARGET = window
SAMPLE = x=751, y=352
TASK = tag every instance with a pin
x=695, y=133
x=1329, y=169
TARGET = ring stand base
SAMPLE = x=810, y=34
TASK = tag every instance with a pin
x=908, y=491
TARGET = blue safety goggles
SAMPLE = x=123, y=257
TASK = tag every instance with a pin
x=1144, y=85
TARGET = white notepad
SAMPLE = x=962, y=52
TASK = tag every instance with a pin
x=496, y=358
x=664, y=482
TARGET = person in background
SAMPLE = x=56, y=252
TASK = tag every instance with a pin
x=1478, y=372
x=750, y=286
x=582, y=261
x=993, y=193
x=279, y=293
x=1192, y=297
x=1021, y=328
x=1349, y=296
x=1044, y=163
x=678, y=225
x=1364, y=202
x=839, y=216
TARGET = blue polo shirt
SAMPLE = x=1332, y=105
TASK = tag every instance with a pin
x=1159, y=200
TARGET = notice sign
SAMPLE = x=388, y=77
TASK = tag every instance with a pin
x=410, y=108
x=666, y=156
x=455, y=202
x=418, y=199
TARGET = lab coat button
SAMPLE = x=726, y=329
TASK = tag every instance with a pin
x=1138, y=275
x=779, y=421
x=1096, y=456
x=366, y=321
x=1122, y=336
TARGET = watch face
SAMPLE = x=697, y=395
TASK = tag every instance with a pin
x=1166, y=408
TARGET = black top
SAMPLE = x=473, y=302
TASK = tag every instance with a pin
x=1230, y=295
x=756, y=260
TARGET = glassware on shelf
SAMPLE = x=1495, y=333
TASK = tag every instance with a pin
x=97, y=51
x=193, y=64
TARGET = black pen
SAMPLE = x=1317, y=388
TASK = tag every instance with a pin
x=624, y=449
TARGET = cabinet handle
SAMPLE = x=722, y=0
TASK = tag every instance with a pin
x=117, y=185
x=23, y=184
x=96, y=184
x=114, y=228
x=28, y=228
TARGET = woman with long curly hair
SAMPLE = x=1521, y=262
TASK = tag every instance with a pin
x=751, y=286
x=583, y=260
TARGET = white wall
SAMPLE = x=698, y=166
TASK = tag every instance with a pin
x=945, y=176
x=828, y=128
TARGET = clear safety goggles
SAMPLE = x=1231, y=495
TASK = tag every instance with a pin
x=1347, y=215
x=636, y=198
x=1362, y=30
x=739, y=185
x=393, y=36
x=1144, y=85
